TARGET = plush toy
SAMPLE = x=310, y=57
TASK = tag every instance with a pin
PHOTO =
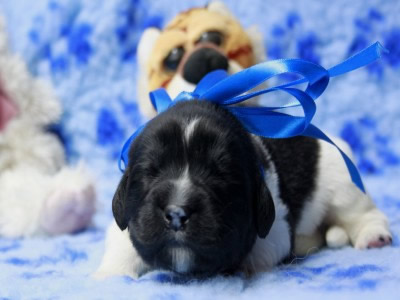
x=193, y=44
x=39, y=193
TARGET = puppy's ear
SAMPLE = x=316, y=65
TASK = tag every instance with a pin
x=119, y=203
x=265, y=212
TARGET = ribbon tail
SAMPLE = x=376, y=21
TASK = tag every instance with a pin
x=358, y=60
x=313, y=131
x=125, y=150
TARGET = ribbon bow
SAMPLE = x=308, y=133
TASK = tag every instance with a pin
x=226, y=90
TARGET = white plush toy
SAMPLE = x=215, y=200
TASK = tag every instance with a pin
x=39, y=193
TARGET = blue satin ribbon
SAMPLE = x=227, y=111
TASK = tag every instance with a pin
x=225, y=90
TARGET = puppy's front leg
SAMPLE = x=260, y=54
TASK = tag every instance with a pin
x=120, y=257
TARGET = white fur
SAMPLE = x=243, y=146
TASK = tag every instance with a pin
x=35, y=183
x=266, y=253
x=145, y=46
x=339, y=204
x=190, y=129
x=120, y=257
x=179, y=84
x=336, y=237
x=181, y=259
x=182, y=188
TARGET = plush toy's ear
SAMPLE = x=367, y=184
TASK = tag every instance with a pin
x=265, y=212
x=219, y=7
x=144, y=51
x=119, y=203
x=257, y=44
x=145, y=46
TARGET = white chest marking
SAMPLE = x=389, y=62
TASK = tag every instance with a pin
x=181, y=259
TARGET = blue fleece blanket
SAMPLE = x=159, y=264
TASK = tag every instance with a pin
x=86, y=49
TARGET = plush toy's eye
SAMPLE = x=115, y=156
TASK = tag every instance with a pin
x=214, y=37
x=171, y=62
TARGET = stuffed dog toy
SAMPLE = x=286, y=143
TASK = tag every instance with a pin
x=193, y=44
x=39, y=193
x=193, y=199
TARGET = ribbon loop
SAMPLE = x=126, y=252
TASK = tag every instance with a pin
x=226, y=90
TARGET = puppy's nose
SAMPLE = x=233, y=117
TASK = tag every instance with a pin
x=176, y=217
x=201, y=62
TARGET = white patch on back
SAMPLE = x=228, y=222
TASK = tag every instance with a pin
x=331, y=174
x=181, y=259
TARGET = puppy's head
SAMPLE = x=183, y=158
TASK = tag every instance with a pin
x=193, y=44
x=193, y=196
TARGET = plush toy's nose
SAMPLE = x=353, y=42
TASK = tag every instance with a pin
x=175, y=217
x=201, y=62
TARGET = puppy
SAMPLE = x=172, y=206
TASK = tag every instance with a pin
x=202, y=196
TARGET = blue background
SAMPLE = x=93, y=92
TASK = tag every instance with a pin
x=86, y=49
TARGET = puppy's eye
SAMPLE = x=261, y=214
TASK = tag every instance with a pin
x=171, y=62
x=214, y=37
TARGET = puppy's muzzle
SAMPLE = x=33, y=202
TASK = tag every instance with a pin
x=201, y=62
x=175, y=217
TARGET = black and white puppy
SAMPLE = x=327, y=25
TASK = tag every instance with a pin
x=202, y=196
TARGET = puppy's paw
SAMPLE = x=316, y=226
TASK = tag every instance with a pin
x=336, y=237
x=373, y=236
x=68, y=210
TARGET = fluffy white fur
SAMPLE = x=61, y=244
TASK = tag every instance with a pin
x=120, y=257
x=39, y=193
x=351, y=216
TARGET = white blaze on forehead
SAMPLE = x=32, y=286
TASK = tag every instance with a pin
x=190, y=129
x=181, y=259
x=182, y=187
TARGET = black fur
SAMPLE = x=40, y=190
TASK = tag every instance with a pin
x=295, y=160
x=228, y=203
